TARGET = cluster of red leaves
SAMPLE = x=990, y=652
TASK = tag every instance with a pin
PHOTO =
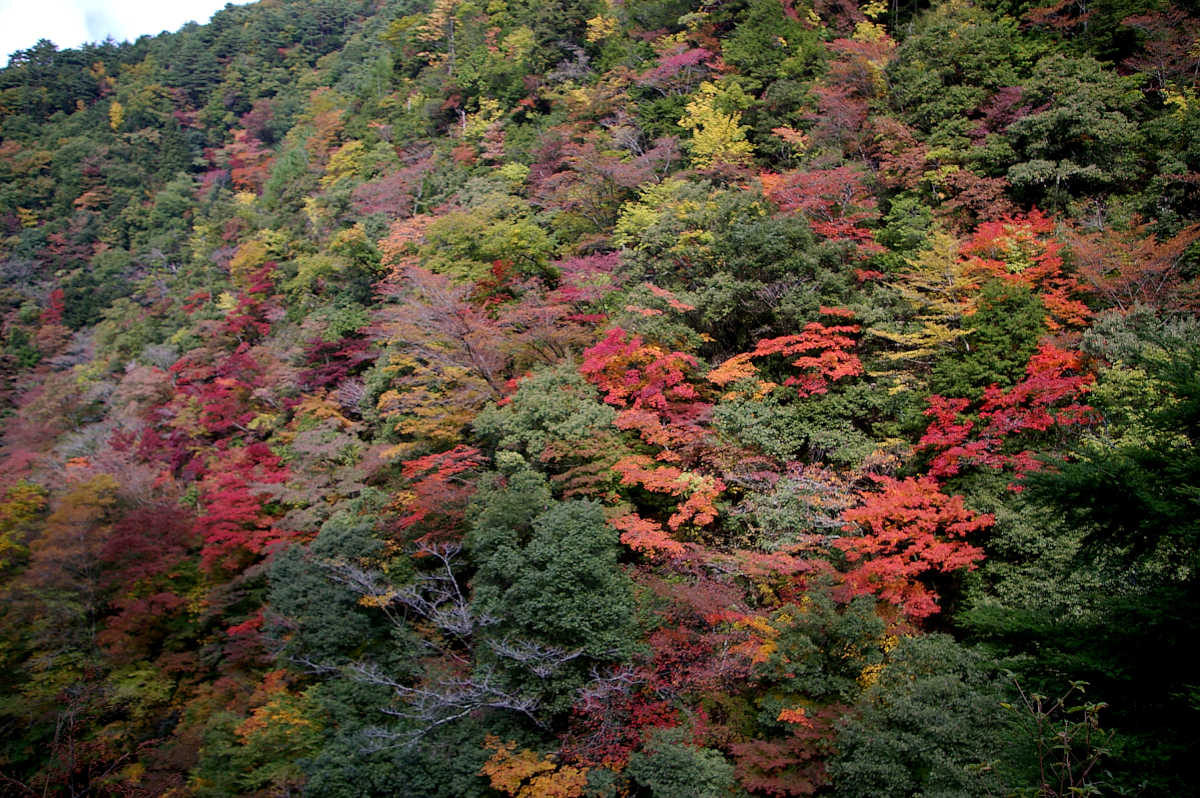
x=910, y=529
x=53, y=312
x=635, y=374
x=330, y=362
x=821, y=350
x=147, y=547
x=836, y=203
x=235, y=523
x=792, y=765
x=661, y=405
x=1022, y=249
x=606, y=729
x=652, y=387
x=438, y=493
x=221, y=391
x=691, y=654
x=1047, y=398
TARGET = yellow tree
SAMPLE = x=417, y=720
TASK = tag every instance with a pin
x=439, y=29
x=527, y=774
x=939, y=292
x=718, y=138
x=22, y=504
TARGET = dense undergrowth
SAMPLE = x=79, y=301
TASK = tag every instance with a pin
x=595, y=398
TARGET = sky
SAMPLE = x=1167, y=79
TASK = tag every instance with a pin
x=70, y=23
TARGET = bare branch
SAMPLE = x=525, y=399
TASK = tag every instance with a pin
x=542, y=661
x=431, y=706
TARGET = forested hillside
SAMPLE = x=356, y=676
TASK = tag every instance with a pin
x=604, y=398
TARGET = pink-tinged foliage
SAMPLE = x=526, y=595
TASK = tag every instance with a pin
x=970, y=197
x=836, y=203
x=901, y=157
x=841, y=120
x=909, y=529
x=587, y=279
x=249, y=162
x=439, y=489
x=1004, y=107
x=590, y=179
x=396, y=195
x=1048, y=398
x=257, y=121
x=678, y=71
x=538, y=324
x=234, y=522
x=438, y=322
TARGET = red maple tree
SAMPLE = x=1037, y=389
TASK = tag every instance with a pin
x=909, y=529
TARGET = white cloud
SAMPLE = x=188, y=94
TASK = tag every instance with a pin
x=70, y=23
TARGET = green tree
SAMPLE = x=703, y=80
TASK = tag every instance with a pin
x=769, y=44
x=551, y=587
x=1001, y=335
x=955, y=58
x=1125, y=494
x=667, y=767
x=930, y=724
x=1086, y=139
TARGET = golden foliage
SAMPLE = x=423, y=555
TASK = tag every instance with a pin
x=527, y=774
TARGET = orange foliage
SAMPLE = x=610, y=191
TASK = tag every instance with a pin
x=795, y=715
x=526, y=774
x=820, y=350
x=909, y=529
x=701, y=490
x=646, y=536
x=1020, y=249
x=1126, y=268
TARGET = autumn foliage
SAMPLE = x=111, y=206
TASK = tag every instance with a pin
x=821, y=352
x=1048, y=399
x=619, y=398
x=909, y=530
